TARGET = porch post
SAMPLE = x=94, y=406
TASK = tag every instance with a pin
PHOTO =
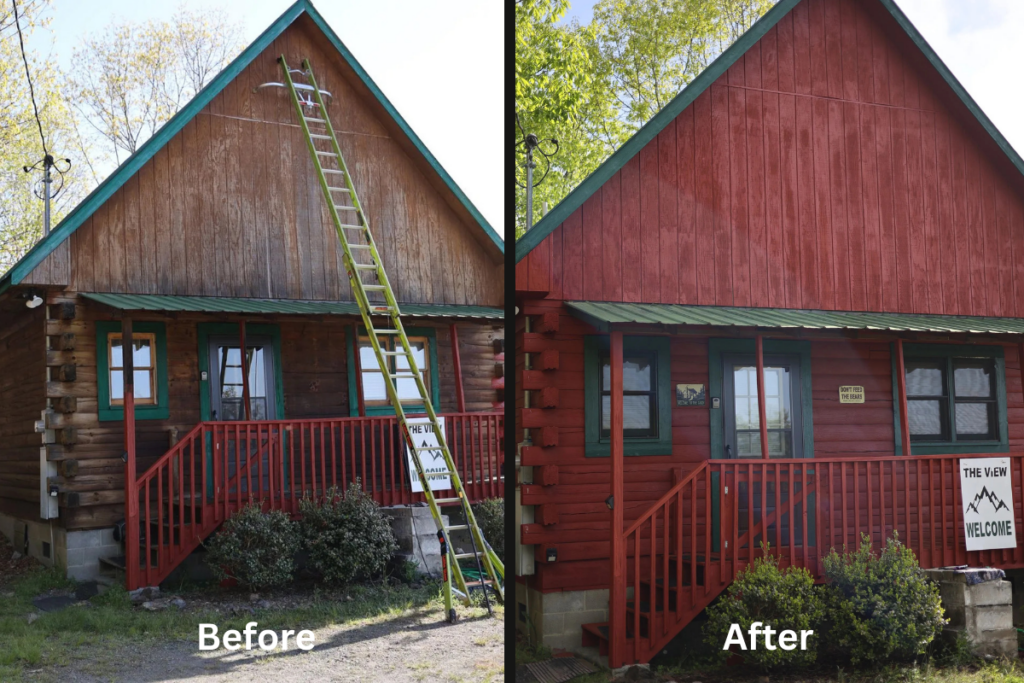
x=901, y=383
x=131, y=498
x=245, y=370
x=761, y=409
x=358, y=370
x=460, y=397
x=617, y=606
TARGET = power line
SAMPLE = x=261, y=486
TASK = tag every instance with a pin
x=31, y=90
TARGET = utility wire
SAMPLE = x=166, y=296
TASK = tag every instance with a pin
x=31, y=90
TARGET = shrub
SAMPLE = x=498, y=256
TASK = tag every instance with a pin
x=347, y=536
x=256, y=548
x=490, y=515
x=783, y=599
x=881, y=608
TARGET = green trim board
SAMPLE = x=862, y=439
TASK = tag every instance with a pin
x=599, y=447
x=603, y=316
x=206, y=330
x=949, y=351
x=106, y=412
x=217, y=304
x=716, y=383
x=132, y=164
x=593, y=182
x=410, y=408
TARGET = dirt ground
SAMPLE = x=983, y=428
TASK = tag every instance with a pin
x=415, y=647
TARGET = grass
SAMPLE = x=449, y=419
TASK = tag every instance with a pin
x=109, y=621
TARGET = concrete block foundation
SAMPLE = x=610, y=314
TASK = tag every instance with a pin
x=981, y=612
x=416, y=533
x=78, y=552
x=556, y=619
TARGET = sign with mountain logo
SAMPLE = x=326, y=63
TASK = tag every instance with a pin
x=987, y=495
x=423, y=436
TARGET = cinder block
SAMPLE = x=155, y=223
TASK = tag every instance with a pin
x=564, y=641
x=994, y=617
x=991, y=593
x=84, y=539
x=597, y=599
x=575, y=620
x=552, y=624
x=953, y=594
x=565, y=601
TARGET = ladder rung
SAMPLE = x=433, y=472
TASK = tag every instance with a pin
x=457, y=527
x=393, y=353
x=404, y=376
x=365, y=266
x=326, y=154
x=359, y=246
x=334, y=170
x=352, y=227
x=428, y=448
x=385, y=331
x=438, y=475
x=466, y=556
x=375, y=288
x=439, y=501
x=317, y=136
x=345, y=207
x=314, y=120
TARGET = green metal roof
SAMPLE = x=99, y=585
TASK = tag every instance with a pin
x=154, y=144
x=603, y=315
x=214, y=304
x=593, y=182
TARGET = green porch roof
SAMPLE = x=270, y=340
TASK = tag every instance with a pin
x=213, y=304
x=603, y=315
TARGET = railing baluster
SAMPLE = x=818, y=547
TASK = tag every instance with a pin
x=871, y=502
x=843, y=519
x=920, y=509
x=803, y=509
x=792, y=518
x=856, y=500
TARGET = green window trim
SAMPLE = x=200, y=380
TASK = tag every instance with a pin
x=716, y=382
x=597, y=447
x=1000, y=445
x=206, y=330
x=410, y=408
x=107, y=412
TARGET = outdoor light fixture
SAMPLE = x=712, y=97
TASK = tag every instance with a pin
x=32, y=299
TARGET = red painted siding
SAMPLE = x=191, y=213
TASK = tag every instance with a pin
x=826, y=168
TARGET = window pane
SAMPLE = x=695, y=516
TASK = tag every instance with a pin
x=142, y=388
x=636, y=413
x=116, y=385
x=373, y=387
x=142, y=356
x=924, y=379
x=116, y=357
x=975, y=420
x=257, y=374
x=972, y=379
x=636, y=374
x=747, y=445
x=925, y=418
x=258, y=408
x=418, y=353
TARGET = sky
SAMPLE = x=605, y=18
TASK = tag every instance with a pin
x=441, y=63
x=979, y=40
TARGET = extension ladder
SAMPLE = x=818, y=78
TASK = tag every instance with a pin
x=356, y=238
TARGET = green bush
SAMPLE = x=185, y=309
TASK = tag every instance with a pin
x=490, y=515
x=347, y=536
x=255, y=548
x=783, y=599
x=880, y=607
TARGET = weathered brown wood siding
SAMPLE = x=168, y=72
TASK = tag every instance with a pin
x=577, y=500
x=828, y=168
x=231, y=205
x=314, y=375
x=22, y=400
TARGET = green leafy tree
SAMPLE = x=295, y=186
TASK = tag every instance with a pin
x=622, y=68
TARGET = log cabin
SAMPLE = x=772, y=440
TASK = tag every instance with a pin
x=210, y=250
x=787, y=311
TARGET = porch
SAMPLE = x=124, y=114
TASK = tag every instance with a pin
x=727, y=428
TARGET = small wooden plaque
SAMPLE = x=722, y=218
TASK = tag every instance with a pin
x=851, y=394
x=690, y=394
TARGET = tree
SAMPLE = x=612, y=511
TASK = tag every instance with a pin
x=639, y=54
x=130, y=79
x=21, y=210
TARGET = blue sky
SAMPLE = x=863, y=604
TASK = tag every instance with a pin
x=979, y=40
x=441, y=63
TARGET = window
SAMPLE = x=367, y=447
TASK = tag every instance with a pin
x=647, y=396
x=144, y=362
x=149, y=358
x=423, y=341
x=374, y=390
x=742, y=413
x=956, y=398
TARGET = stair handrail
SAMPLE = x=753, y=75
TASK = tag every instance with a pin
x=665, y=498
x=162, y=460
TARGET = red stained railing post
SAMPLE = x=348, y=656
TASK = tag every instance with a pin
x=617, y=640
x=460, y=397
x=901, y=383
x=761, y=408
x=245, y=370
x=131, y=496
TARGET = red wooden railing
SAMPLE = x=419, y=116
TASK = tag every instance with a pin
x=686, y=548
x=218, y=467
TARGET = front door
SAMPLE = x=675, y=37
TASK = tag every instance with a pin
x=226, y=390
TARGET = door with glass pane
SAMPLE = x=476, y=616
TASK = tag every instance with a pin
x=227, y=403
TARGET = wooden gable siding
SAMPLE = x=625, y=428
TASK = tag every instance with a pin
x=22, y=400
x=581, y=533
x=824, y=170
x=231, y=205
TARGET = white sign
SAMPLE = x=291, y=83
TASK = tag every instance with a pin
x=987, y=496
x=422, y=433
